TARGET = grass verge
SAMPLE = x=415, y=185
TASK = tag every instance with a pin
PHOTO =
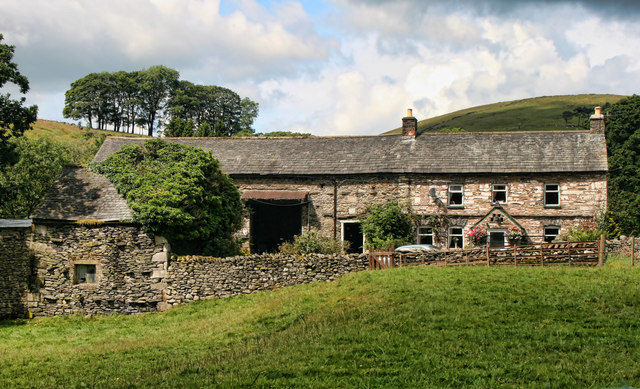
x=405, y=327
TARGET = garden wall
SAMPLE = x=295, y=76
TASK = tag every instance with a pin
x=15, y=269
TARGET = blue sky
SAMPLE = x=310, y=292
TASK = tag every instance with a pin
x=334, y=67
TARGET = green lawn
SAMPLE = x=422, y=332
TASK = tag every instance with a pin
x=405, y=327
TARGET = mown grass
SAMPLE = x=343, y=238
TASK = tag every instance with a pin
x=406, y=327
x=534, y=114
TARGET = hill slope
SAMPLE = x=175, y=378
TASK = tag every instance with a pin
x=538, y=113
x=406, y=327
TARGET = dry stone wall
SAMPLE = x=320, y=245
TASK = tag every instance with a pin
x=15, y=271
x=195, y=278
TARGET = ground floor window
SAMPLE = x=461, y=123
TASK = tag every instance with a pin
x=85, y=274
x=425, y=235
x=551, y=233
x=496, y=238
x=456, y=238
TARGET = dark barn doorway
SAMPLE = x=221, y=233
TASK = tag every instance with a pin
x=352, y=233
x=272, y=223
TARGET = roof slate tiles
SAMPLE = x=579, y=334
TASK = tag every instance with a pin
x=79, y=194
x=473, y=152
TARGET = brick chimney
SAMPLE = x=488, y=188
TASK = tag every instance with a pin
x=597, y=121
x=409, y=125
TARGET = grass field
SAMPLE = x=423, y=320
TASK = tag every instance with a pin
x=405, y=327
x=534, y=114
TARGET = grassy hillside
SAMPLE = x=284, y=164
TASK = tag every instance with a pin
x=539, y=113
x=406, y=327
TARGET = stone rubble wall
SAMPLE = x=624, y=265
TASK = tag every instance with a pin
x=15, y=269
x=129, y=264
x=193, y=278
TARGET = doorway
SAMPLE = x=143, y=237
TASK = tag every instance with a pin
x=352, y=233
x=273, y=223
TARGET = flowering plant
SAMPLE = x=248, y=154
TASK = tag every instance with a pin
x=477, y=235
x=516, y=235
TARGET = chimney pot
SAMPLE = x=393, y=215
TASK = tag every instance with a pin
x=597, y=121
x=409, y=112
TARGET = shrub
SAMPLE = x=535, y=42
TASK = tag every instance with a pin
x=179, y=192
x=312, y=243
x=478, y=235
x=388, y=225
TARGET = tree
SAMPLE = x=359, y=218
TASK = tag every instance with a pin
x=156, y=85
x=24, y=183
x=388, y=225
x=14, y=118
x=623, y=148
x=567, y=115
x=179, y=192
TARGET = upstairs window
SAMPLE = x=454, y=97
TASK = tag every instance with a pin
x=456, y=238
x=455, y=195
x=551, y=195
x=499, y=193
x=551, y=233
x=425, y=235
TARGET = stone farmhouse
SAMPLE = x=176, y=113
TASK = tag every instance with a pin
x=541, y=182
x=82, y=253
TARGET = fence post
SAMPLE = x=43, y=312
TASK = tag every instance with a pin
x=633, y=250
x=488, y=258
x=601, y=250
x=515, y=255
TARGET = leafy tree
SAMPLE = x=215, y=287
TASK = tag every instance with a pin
x=156, y=85
x=24, y=183
x=388, y=225
x=14, y=118
x=623, y=147
x=567, y=115
x=179, y=192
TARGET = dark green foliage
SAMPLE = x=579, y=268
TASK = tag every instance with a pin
x=178, y=192
x=14, y=118
x=24, y=182
x=623, y=147
x=388, y=225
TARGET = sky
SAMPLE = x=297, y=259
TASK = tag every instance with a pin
x=334, y=67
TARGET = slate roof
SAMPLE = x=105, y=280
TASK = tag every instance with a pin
x=472, y=152
x=15, y=223
x=79, y=194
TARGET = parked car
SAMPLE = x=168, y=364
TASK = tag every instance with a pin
x=416, y=248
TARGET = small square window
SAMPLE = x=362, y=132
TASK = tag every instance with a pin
x=425, y=235
x=455, y=195
x=499, y=193
x=552, y=194
x=551, y=233
x=456, y=239
x=85, y=274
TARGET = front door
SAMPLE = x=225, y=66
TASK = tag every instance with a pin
x=352, y=233
x=496, y=238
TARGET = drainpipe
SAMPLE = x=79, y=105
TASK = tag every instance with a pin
x=335, y=209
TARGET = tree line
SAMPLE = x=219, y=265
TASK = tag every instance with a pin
x=155, y=98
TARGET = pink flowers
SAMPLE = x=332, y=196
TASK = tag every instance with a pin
x=477, y=235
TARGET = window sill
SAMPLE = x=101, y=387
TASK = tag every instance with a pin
x=552, y=206
x=455, y=206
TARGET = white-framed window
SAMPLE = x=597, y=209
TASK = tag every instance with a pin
x=455, y=195
x=499, y=193
x=425, y=235
x=551, y=233
x=551, y=195
x=84, y=274
x=456, y=238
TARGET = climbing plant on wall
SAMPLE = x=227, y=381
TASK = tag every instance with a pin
x=178, y=192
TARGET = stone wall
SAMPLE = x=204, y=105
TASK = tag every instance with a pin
x=195, y=278
x=15, y=271
x=129, y=267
